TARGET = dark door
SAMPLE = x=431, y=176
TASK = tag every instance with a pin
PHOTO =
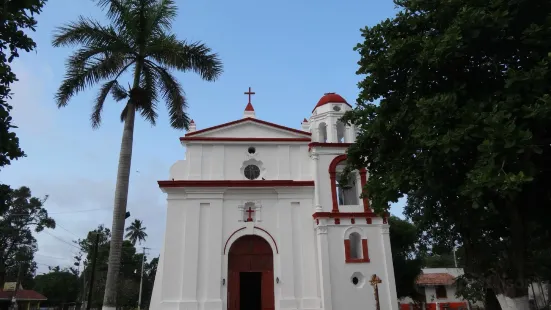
x=250, y=274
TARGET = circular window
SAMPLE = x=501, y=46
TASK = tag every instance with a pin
x=251, y=150
x=355, y=280
x=336, y=108
x=252, y=172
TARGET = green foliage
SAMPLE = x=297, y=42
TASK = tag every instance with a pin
x=19, y=213
x=60, y=286
x=138, y=37
x=405, y=257
x=16, y=17
x=129, y=279
x=462, y=126
x=136, y=232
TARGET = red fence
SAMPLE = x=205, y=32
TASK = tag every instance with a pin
x=433, y=306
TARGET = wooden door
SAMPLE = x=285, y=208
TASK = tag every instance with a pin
x=268, y=302
x=233, y=290
x=251, y=253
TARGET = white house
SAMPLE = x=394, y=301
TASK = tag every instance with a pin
x=255, y=220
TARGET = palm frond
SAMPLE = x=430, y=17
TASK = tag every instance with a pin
x=173, y=95
x=117, y=11
x=85, y=31
x=118, y=93
x=168, y=51
x=110, y=66
x=161, y=16
x=100, y=100
x=148, y=106
x=90, y=53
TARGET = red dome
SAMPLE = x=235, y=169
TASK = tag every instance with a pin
x=330, y=98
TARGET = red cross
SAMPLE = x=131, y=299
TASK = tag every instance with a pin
x=250, y=211
x=250, y=93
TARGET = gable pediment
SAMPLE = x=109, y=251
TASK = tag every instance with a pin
x=248, y=128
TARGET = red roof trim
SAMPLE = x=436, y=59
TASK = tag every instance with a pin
x=249, y=107
x=435, y=279
x=330, y=98
x=235, y=183
x=251, y=120
x=319, y=215
x=22, y=295
x=227, y=139
x=322, y=144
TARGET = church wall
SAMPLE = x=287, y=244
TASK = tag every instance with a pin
x=344, y=293
x=285, y=216
x=226, y=161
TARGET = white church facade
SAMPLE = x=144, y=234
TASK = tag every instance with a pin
x=256, y=221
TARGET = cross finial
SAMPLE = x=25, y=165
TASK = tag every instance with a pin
x=250, y=93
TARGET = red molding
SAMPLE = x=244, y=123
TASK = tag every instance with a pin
x=323, y=144
x=228, y=240
x=333, y=182
x=363, y=180
x=347, y=257
x=235, y=183
x=332, y=176
x=259, y=228
x=275, y=243
x=332, y=215
x=228, y=139
x=248, y=119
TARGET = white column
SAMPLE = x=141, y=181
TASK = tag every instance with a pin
x=315, y=176
x=324, y=267
x=173, y=250
x=215, y=243
x=390, y=300
x=190, y=240
x=331, y=130
x=286, y=233
x=316, y=134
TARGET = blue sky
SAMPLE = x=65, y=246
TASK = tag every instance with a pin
x=289, y=52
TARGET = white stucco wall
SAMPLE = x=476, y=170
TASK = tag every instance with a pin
x=309, y=259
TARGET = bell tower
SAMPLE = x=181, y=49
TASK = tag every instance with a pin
x=325, y=124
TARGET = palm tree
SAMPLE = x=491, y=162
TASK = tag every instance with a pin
x=136, y=232
x=138, y=39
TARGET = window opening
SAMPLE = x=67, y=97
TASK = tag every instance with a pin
x=252, y=172
x=355, y=245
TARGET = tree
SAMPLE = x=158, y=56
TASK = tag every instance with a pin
x=19, y=212
x=462, y=127
x=136, y=232
x=405, y=257
x=138, y=37
x=59, y=285
x=15, y=17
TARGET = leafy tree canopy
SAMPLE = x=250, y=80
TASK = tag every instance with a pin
x=16, y=16
x=59, y=285
x=462, y=126
x=19, y=213
x=405, y=257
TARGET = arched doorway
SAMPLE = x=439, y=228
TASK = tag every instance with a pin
x=250, y=274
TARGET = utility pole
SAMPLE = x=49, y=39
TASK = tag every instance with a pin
x=92, y=272
x=141, y=279
x=454, y=258
x=17, y=283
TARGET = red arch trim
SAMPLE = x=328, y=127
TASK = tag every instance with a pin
x=333, y=181
x=259, y=228
x=228, y=240
x=275, y=243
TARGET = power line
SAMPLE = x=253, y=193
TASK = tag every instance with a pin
x=64, y=212
x=64, y=241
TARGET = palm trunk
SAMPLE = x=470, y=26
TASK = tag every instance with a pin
x=121, y=198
